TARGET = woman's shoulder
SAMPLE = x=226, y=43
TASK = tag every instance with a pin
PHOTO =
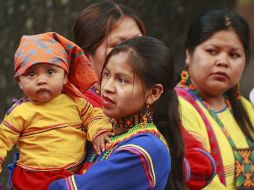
x=146, y=138
x=186, y=105
x=148, y=142
x=189, y=114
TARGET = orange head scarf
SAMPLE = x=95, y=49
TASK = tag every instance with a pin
x=53, y=48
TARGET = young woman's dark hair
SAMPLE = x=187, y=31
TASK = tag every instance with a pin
x=206, y=25
x=152, y=61
x=101, y=18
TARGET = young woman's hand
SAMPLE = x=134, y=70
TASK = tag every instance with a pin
x=100, y=141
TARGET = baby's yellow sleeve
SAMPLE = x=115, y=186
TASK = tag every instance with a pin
x=94, y=120
x=10, y=130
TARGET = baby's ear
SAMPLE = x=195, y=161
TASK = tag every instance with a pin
x=154, y=94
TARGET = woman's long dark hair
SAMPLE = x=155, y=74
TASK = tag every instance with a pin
x=202, y=28
x=152, y=61
x=97, y=20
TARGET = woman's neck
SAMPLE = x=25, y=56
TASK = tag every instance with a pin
x=119, y=131
x=217, y=103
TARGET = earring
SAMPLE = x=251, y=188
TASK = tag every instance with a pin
x=147, y=117
x=185, y=77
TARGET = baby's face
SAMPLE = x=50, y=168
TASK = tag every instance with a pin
x=42, y=82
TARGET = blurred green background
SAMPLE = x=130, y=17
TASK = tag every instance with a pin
x=167, y=20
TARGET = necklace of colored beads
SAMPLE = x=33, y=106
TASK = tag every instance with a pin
x=141, y=123
x=136, y=130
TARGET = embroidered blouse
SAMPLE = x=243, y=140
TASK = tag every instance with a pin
x=200, y=167
x=194, y=123
x=137, y=159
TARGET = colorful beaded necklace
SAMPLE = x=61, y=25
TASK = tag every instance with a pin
x=138, y=124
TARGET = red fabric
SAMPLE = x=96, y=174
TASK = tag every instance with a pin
x=93, y=98
x=52, y=48
x=39, y=180
x=201, y=166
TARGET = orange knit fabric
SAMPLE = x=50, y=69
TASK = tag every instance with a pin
x=53, y=48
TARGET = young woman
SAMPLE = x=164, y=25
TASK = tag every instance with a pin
x=217, y=51
x=137, y=93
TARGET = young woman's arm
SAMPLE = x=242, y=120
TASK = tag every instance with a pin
x=132, y=165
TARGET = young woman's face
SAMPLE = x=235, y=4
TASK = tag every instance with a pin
x=42, y=82
x=123, y=92
x=217, y=64
x=124, y=29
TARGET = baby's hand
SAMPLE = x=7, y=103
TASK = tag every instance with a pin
x=100, y=141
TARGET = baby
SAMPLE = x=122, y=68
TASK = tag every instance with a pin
x=51, y=124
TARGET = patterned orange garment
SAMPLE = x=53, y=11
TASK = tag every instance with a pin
x=53, y=48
